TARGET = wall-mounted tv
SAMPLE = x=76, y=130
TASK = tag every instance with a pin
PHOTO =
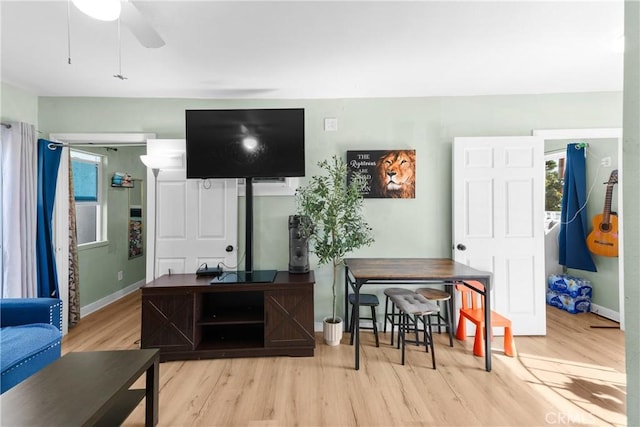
x=245, y=143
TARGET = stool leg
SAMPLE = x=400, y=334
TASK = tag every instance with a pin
x=386, y=314
x=426, y=323
x=508, y=341
x=351, y=327
x=437, y=318
x=433, y=352
x=393, y=322
x=375, y=324
x=478, y=348
x=461, y=333
x=450, y=320
x=425, y=337
x=401, y=327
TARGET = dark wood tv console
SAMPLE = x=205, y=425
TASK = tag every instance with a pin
x=186, y=317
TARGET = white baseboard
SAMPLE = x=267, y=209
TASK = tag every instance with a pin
x=605, y=312
x=103, y=302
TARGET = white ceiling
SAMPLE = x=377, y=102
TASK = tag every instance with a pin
x=323, y=49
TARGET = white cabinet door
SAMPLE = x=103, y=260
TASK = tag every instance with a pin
x=196, y=221
x=498, y=222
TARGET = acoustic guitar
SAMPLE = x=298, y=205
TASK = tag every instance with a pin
x=603, y=239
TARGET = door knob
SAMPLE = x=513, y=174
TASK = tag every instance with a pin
x=229, y=248
x=461, y=247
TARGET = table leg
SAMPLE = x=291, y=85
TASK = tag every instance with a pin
x=452, y=307
x=487, y=322
x=151, y=393
x=346, y=299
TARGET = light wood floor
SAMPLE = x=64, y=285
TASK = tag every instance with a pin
x=573, y=376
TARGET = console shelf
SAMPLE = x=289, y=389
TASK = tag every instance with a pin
x=186, y=317
x=226, y=337
x=232, y=317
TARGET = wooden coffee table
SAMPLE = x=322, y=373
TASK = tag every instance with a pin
x=85, y=388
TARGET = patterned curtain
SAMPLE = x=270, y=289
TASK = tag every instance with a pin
x=74, y=277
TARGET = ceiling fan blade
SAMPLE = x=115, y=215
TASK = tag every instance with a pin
x=133, y=19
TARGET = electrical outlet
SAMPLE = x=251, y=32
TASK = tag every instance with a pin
x=120, y=275
x=606, y=162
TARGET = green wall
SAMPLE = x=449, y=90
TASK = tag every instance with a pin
x=425, y=124
x=18, y=105
x=417, y=227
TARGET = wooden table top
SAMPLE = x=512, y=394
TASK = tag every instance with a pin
x=75, y=389
x=412, y=269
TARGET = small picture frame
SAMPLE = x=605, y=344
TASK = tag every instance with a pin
x=122, y=179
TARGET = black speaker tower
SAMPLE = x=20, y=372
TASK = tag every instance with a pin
x=298, y=247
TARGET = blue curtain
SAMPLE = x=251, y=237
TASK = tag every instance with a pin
x=573, y=250
x=48, y=163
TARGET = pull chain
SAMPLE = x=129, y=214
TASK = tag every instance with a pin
x=119, y=75
x=69, y=32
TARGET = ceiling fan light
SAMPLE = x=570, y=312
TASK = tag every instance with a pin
x=103, y=10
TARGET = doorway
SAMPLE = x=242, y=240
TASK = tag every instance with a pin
x=61, y=216
x=604, y=154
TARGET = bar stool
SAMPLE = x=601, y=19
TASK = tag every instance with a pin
x=444, y=319
x=393, y=316
x=420, y=308
x=366, y=300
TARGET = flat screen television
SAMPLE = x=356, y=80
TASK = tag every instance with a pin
x=245, y=143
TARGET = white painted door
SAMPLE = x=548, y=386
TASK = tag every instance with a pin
x=196, y=221
x=498, y=214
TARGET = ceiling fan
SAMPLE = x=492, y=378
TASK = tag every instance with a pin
x=139, y=26
x=129, y=15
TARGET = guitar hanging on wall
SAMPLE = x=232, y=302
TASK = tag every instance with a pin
x=603, y=239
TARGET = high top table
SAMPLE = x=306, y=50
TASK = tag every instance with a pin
x=85, y=389
x=389, y=271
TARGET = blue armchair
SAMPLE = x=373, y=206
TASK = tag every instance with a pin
x=30, y=337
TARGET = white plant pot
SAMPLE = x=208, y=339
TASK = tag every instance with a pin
x=332, y=331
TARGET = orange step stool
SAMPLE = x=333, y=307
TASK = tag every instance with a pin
x=472, y=308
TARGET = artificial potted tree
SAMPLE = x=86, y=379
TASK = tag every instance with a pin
x=332, y=210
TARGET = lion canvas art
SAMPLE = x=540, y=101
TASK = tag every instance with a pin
x=389, y=173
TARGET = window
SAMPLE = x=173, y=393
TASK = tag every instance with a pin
x=87, y=192
x=554, y=179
